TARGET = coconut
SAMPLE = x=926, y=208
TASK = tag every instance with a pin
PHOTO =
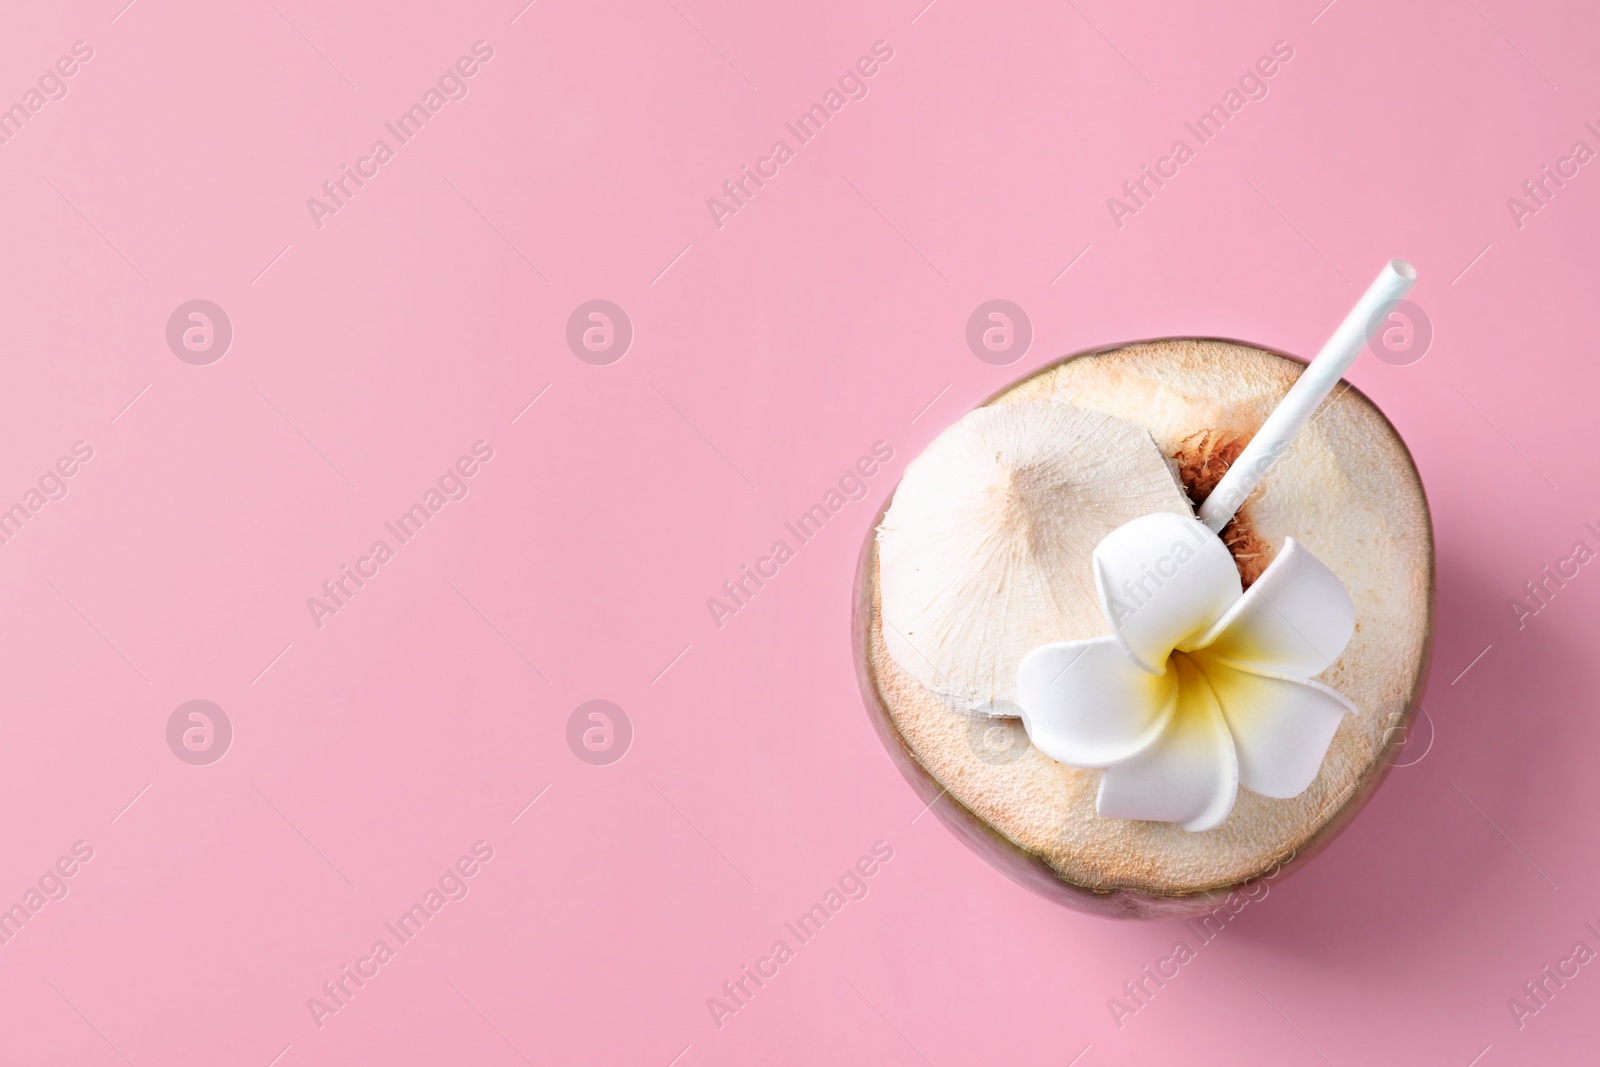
x=983, y=554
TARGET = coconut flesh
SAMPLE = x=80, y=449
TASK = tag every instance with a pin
x=983, y=554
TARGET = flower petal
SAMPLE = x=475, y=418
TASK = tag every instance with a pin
x=1281, y=727
x=1087, y=704
x=1190, y=775
x=1163, y=578
x=1295, y=620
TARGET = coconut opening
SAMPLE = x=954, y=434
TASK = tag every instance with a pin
x=1202, y=459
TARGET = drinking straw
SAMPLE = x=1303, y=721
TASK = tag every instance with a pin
x=1303, y=398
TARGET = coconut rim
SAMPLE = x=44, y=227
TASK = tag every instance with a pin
x=1030, y=869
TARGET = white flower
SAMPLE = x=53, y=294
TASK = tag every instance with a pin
x=1200, y=688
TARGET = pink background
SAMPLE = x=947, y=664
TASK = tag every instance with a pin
x=768, y=355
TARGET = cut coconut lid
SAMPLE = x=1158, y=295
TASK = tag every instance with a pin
x=984, y=554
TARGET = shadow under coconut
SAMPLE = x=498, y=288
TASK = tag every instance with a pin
x=1423, y=864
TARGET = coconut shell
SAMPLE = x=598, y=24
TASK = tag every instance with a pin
x=1348, y=490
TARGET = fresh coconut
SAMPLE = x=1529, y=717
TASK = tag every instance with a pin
x=983, y=554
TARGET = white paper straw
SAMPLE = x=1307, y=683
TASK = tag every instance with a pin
x=1303, y=398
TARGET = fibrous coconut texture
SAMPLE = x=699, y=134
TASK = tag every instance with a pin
x=983, y=554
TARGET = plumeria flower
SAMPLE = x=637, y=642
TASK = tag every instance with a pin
x=1200, y=687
